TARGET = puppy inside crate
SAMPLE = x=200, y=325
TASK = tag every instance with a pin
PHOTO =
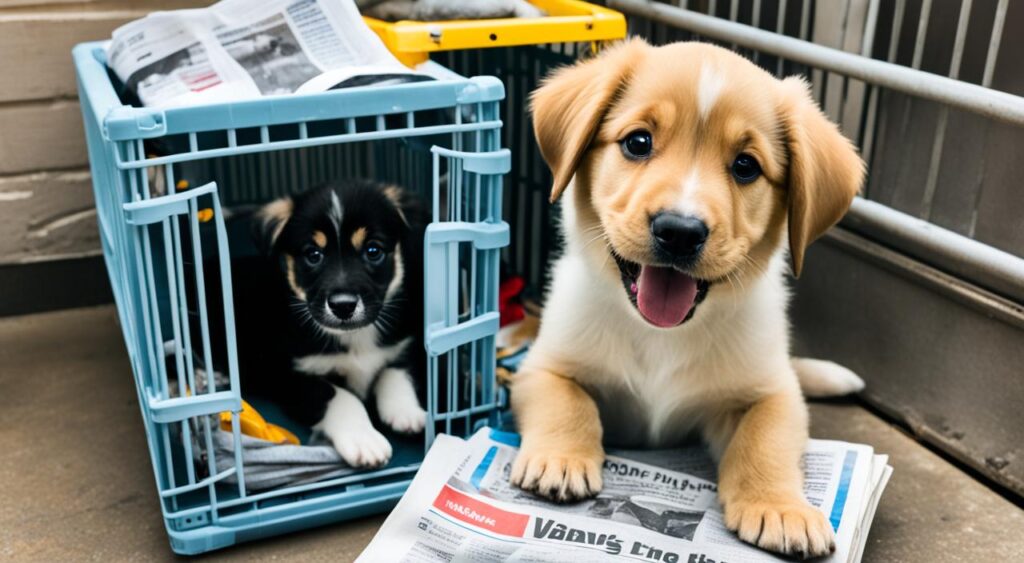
x=328, y=313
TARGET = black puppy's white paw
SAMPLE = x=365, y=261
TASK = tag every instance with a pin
x=397, y=403
x=363, y=447
x=347, y=424
x=406, y=421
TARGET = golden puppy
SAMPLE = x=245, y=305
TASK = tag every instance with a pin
x=685, y=171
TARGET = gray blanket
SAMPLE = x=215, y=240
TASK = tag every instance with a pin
x=268, y=465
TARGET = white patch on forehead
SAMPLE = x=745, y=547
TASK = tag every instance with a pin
x=709, y=88
x=688, y=202
x=335, y=213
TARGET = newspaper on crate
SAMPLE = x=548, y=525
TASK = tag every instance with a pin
x=657, y=505
x=240, y=49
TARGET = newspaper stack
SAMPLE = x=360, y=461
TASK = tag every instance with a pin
x=656, y=506
x=240, y=49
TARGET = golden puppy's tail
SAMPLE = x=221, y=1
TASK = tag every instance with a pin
x=819, y=378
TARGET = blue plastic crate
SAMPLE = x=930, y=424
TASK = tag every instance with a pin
x=156, y=238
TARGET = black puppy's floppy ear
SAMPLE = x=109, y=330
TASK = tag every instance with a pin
x=270, y=221
x=570, y=105
x=408, y=207
x=825, y=171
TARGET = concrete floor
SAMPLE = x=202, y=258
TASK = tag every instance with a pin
x=77, y=485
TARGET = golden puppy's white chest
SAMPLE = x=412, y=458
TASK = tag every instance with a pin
x=656, y=386
x=659, y=402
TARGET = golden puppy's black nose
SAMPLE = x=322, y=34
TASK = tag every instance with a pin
x=678, y=236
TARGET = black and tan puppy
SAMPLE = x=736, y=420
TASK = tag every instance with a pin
x=329, y=316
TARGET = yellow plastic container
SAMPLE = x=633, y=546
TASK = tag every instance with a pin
x=568, y=21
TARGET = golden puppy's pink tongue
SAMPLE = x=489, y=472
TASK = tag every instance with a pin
x=665, y=295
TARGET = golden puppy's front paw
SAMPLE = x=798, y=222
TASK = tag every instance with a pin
x=788, y=525
x=557, y=474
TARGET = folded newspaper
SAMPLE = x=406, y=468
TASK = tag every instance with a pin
x=656, y=506
x=239, y=49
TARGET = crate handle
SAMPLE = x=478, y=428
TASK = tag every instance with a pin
x=492, y=162
x=181, y=408
x=484, y=236
x=441, y=339
x=154, y=210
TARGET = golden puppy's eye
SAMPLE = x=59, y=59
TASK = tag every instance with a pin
x=745, y=168
x=637, y=145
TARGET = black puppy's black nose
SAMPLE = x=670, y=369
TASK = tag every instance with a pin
x=679, y=236
x=343, y=304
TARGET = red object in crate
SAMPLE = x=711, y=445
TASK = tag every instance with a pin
x=509, y=306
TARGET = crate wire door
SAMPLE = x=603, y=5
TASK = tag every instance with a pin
x=155, y=245
x=455, y=332
x=160, y=411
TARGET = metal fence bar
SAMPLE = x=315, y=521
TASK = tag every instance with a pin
x=844, y=11
x=780, y=28
x=755, y=20
x=995, y=269
x=922, y=34
x=899, y=10
x=961, y=38
x=993, y=44
x=977, y=99
x=865, y=127
x=867, y=148
x=870, y=28
x=805, y=19
x=939, y=139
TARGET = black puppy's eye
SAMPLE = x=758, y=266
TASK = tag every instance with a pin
x=313, y=255
x=638, y=145
x=745, y=168
x=374, y=252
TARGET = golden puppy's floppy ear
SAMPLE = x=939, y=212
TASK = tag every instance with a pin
x=825, y=171
x=572, y=102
